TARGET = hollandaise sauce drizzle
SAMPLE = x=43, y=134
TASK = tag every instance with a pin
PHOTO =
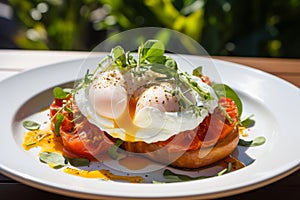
x=49, y=142
x=102, y=174
x=45, y=139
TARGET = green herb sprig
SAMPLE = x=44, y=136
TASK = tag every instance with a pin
x=151, y=56
x=58, y=118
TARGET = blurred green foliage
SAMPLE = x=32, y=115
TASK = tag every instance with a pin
x=223, y=27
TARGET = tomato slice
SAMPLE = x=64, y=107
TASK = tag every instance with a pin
x=80, y=137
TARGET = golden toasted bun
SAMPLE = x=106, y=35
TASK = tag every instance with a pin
x=186, y=159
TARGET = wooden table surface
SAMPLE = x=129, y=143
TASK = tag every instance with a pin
x=14, y=61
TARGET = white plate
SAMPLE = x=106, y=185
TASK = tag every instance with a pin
x=274, y=102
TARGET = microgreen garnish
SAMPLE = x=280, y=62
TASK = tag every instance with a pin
x=197, y=71
x=78, y=162
x=60, y=93
x=252, y=143
x=119, y=57
x=112, y=151
x=54, y=160
x=57, y=161
x=58, y=120
x=150, y=56
x=86, y=81
x=225, y=113
x=153, y=51
x=248, y=122
x=31, y=125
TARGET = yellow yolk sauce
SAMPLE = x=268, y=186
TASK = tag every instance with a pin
x=102, y=174
x=49, y=142
x=242, y=131
x=125, y=121
x=45, y=139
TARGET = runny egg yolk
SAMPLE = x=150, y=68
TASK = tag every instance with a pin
x=125, y=121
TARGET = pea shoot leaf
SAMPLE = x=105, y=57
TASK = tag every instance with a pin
x=53, y=159
x=198, y=71
x=119, y=56
x=57, y=161
x=252, y=143
x=78, y=162
x=31, y=125
x=223, y=90
x=248, y=122
x=153, y=51
x=58, y=120
x=59, y=93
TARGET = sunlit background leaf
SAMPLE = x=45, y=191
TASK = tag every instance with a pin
x=223, y=27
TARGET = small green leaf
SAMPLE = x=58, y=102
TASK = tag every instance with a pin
x=258, y=141
x=31, y=125
x=118, y=55
x=245, y=143
x=78, y=162
x=58, y=120
x=252, y=143
x=59, y=93
x=153, y=51
x=223, y=90
x=112, y=151
x=157, y=59
x=198, y=71
x=248, y=122
x=54, y=160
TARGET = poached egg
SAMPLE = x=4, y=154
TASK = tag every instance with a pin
x=140, y=108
